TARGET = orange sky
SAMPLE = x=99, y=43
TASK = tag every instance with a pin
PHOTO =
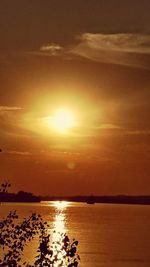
x=98, y=68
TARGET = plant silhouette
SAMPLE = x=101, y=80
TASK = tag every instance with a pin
x=15, y=235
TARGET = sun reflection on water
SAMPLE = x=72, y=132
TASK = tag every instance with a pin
x=59, y=223
x=61, y=205
x=59, y=226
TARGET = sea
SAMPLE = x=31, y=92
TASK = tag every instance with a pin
x=109, y=235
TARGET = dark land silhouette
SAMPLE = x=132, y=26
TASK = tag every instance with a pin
x=118, y=199
x=22, y=196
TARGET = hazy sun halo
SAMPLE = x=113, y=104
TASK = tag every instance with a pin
x=63, y=120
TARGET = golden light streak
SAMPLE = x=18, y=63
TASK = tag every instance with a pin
x=59, y=229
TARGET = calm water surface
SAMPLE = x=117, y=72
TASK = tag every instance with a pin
x=108, y=235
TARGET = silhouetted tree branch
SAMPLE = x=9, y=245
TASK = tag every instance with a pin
x=14, y=236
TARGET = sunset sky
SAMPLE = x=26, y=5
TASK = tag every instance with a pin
x=90, y=60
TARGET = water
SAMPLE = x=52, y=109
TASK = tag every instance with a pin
x=108, y=235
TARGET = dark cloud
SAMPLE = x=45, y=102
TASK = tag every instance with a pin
x=29, y=24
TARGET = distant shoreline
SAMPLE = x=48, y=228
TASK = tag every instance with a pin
x=118, y=199
x=21, y=196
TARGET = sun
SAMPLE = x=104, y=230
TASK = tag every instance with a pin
x=63, y=120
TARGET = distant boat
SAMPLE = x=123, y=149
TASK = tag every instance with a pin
x=90, y=200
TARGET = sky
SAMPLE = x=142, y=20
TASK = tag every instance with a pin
x=93, y=59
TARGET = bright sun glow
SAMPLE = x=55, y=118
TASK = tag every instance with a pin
x=63, y=120
x=61, y=204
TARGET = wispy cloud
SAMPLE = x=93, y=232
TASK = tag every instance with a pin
x=124, y=49
x=9, y=108
x=109, y=126
x=52, y=49
x=10, y=119
x=20, y=153
x=124, y=42
x=138, y=132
